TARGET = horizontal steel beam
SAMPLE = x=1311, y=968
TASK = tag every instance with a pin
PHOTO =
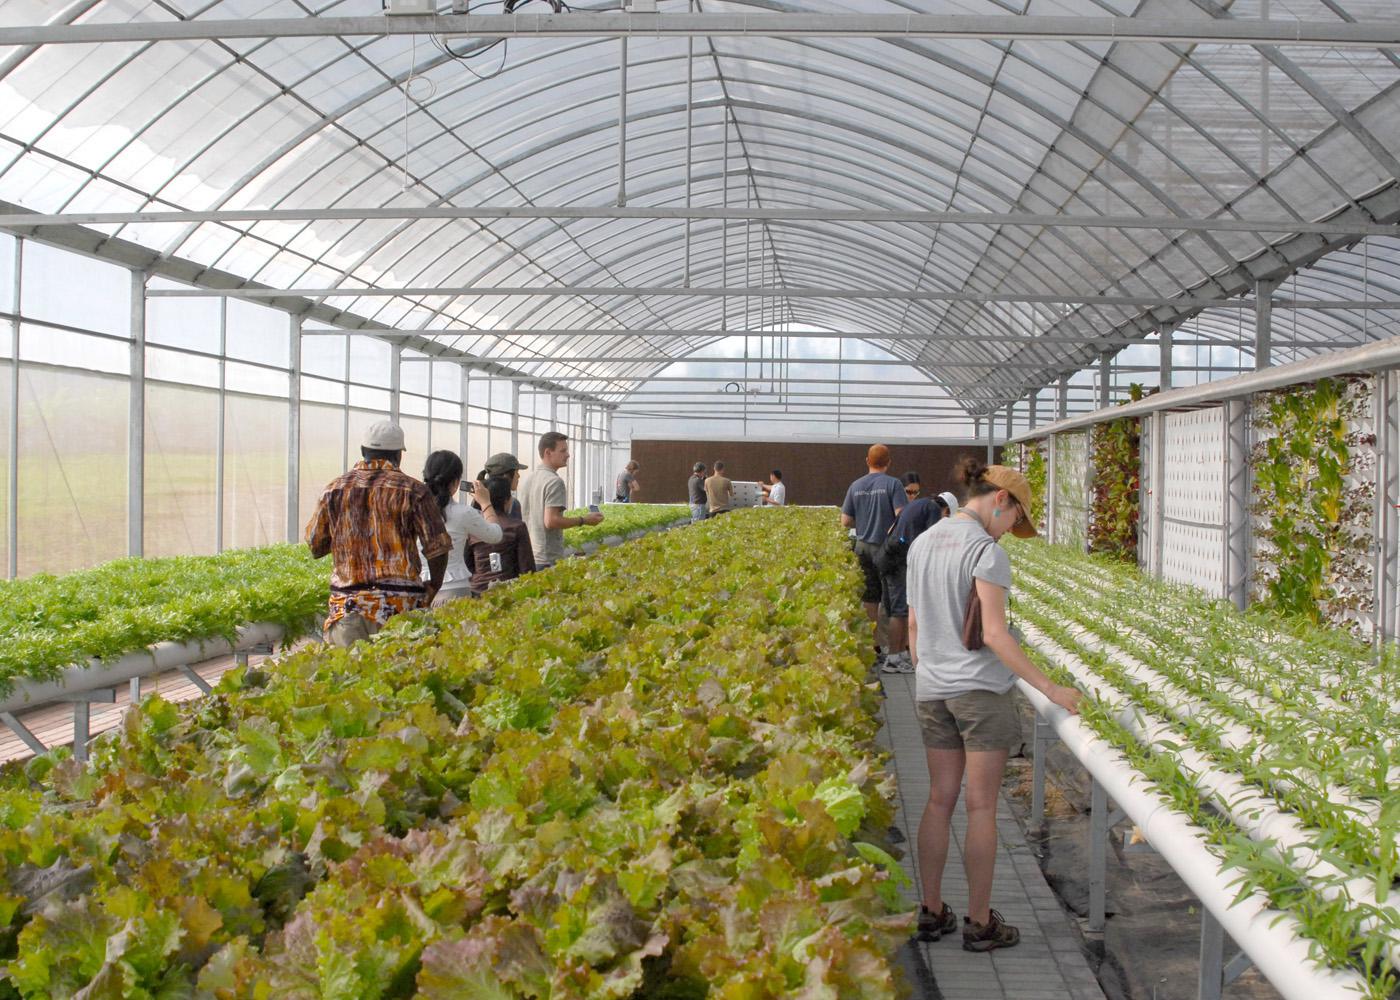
x=756, y=360
x=776, y=292
x=389, y=333
x=587, y=24
x=701, y=213
x=1380, y=356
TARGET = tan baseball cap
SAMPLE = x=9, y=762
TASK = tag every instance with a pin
x=1015, y=484
x=384, y=435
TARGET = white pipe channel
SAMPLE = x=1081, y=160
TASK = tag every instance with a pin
x=1072, y=579
x=1184, y=705
x=1255, y=699
x=97, y=674
x=1270, y=937
x=1253, y=812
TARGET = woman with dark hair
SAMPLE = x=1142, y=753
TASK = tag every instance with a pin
x=963, y=696
x=442, y=474
x=511, y=556
x=918, y=515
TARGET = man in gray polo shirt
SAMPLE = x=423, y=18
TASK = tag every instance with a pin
x=543, y=499
x=872, y=504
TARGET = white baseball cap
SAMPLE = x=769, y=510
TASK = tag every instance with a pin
x=383, y=436
x=950, y=500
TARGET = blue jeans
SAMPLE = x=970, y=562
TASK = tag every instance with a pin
x=698, y=512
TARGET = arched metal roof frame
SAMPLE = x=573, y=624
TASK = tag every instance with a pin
x=216, y=262
x=528, y=307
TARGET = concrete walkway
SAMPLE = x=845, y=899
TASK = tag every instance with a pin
x=1048, y=963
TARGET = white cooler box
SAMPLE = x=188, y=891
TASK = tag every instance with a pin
x=748, y=495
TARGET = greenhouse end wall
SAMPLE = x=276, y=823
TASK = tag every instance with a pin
x=815, y=472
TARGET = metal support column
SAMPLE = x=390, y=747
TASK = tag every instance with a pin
x=1387, y=515
x=1033, y=405
x=463, y=432
x=1105, y=379
x=294, y=431
x=221, y=433
x=622, y=125
x=12, y=508
x=1238, y=533
x=1052, y=504
x=991, y=437
x=1062, y=408
x=1263, y=323
x=1010, y=420
x=395, y=373
x=689, y=148
x=515, y=418
x=1164, y=360
x=1157, y=511
x=553, y=410
x=136, y=422
x=1098, y=857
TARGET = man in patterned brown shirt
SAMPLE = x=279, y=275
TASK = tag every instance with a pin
x=372, y=521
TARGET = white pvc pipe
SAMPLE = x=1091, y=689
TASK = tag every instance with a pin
x=163, y=656
x=1085, y=576
x=1185, y=705
x=1254, y=698
x=1273, y=939
x=1254, y=813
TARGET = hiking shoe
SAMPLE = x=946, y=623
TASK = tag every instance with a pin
x=932, y=926
x=898, y=663
x=995, y=933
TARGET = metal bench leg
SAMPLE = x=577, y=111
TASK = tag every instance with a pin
x=82, y=717
x=1098, y=857
x=1040, y=745
x=22, y=731
x=1212, y=974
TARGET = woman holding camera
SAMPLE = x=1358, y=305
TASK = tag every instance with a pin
x=513, y=555
x=442, y=474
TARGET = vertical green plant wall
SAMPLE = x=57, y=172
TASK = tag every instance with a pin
x=1033, y=466
x=1113, y=512
x=1313, y=467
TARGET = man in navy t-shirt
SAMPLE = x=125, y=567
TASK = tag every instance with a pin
x=872, y=504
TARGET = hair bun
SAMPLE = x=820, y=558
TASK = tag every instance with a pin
x=969, y=470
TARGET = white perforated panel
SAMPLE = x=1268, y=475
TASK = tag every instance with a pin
x=1072, y=489
x=1193, y=500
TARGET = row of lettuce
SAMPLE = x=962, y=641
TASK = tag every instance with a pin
x=601, y=781
x=1304, y=717
x=49, y=623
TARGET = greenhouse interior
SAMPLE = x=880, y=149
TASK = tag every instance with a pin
x=713, y=499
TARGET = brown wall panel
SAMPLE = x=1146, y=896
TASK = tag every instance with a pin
x=815, y=472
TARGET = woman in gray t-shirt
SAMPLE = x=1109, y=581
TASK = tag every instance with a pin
x=963, y=697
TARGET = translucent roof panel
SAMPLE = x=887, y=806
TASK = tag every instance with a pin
x=1048, y=127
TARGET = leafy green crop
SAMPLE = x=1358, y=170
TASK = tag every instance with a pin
x=49, y=623
x=621, y=519
x=600, y=781
x=1304, y=715
x=1301, y=468
x=1113, y=512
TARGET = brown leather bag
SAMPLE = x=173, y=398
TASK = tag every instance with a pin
x=972, y=621
x=972, y=618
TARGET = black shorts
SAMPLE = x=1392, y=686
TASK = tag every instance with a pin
x=865, y=555
x=884, y=589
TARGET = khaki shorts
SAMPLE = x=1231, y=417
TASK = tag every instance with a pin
x=978, y=720
x=351, y=629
